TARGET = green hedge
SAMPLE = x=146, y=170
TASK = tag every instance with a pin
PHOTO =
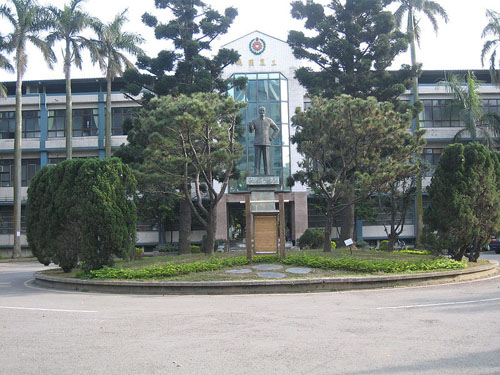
x=312, y=238
x=214, y=264
x=372, y=266
x=414, y=252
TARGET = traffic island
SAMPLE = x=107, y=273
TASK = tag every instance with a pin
x=302, y=285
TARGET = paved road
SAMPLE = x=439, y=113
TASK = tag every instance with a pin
x=441, y=330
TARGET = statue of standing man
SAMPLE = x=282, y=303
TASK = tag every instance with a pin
x=263, y=140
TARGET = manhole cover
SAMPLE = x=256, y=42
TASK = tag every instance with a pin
x=267, y=267
x=298, y=270
x=271, y=275
x=244, y=270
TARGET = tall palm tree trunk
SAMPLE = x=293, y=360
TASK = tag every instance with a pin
x=68, y=118
x=418, y=194
x=107, y=140
x=17, y=163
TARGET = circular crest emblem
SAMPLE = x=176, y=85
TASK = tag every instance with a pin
x=257, y=46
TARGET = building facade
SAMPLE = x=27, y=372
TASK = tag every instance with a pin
x=269, y=66
x=43, y=136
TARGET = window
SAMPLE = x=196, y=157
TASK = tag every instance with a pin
x=491, y=106
x=29, y=167
x=384, y=218
x=54, y=161
x=7, y=125
x=439, y=113
x=6, y=170
x=7, y=220
x=85, y=122
x=269, y=90
x=119, y=116
x=431, y=156
x=30, y=126
x=56, y=123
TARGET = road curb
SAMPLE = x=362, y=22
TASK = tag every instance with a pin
x=264, y=286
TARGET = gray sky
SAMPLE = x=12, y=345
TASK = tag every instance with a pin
x=457, y=45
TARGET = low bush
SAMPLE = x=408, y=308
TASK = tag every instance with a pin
x=312, y=238
x=167, y=248
x=170, y=270
x=361, y=244
x=372, y=266
x=195, y=249
x=345, y=263
x=137, y=253
x=383, y=245
x=415, y=252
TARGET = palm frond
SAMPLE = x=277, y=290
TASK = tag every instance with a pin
x=3, y=91
x=398, y=15
x=487, y=47
x=434, y=8
x=45, y=48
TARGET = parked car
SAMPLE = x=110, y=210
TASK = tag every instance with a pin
x=495, y=244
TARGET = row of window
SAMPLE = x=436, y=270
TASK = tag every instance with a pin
x=317, y=216
x=7, y=221
x=29, y=167
x=85, y=122
x=440, y=113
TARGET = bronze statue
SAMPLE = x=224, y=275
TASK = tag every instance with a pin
x=263, y=139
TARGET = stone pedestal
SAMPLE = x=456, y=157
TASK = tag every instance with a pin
x=264, y=213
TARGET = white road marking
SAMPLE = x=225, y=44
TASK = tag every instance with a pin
x=4, y=284
x=438, y=304
x=40, y=309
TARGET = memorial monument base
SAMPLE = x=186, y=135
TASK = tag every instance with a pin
x=263, y=216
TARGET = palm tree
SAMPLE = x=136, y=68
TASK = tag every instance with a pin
x=68, y=23
x=111, y=41
x=4, y=64
x=431, y=10
x=27, y=20
x=467, y=106
x=490, y=46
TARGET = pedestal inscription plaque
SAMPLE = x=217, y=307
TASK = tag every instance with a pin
x=266, y=234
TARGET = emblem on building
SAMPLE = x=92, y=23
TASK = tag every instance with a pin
x=257, y=46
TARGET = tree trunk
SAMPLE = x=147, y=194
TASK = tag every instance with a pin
x=161, y=232
x=210, y=239
x=347, y=215
x=418, y=193
x=392, y=237
x=107, y=133
x=475, y=252
x=68, y=117
x=348, y=223
x=327, y=247
x=184, y=227
x=16, y=253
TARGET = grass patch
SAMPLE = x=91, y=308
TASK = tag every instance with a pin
x=338, y=263
x=361, y=262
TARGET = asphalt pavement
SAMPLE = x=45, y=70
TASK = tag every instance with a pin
x=441, y=330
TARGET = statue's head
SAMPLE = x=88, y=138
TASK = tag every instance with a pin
x=262, y=111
